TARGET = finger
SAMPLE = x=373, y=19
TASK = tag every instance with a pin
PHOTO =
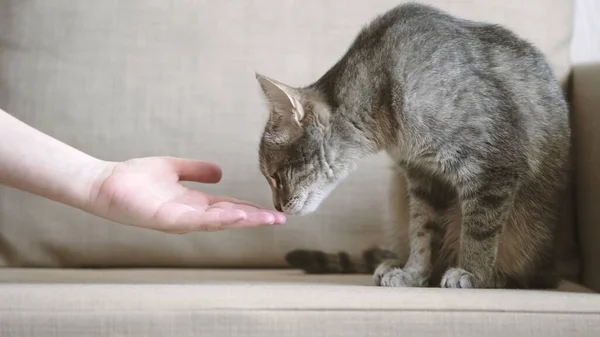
x=278, y=216
x=250, y=223
x=253, y=219
x=260, y=214
x=210, y=219
x=196, y=170
x=210, y=229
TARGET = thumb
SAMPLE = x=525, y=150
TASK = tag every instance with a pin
x=196, y=170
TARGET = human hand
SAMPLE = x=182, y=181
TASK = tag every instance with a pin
x=146, y=193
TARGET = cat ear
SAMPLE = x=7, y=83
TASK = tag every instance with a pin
x=284, y=100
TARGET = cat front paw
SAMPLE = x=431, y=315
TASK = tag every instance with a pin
x=459, y=278
x=388, y=274
x=402, y=278
x=384, y=267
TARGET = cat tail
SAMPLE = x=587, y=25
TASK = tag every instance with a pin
x=319, y=262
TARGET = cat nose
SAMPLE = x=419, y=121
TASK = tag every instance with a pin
x=278, y=207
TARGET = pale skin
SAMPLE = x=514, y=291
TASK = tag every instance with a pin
x=142, y=192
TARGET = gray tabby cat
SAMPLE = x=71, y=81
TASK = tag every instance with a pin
x=477, y=126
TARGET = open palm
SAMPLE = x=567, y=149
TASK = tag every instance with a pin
x=146, y=192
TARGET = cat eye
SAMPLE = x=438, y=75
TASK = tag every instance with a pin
x=277, y=180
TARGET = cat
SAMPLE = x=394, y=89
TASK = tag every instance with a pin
x=477, y=127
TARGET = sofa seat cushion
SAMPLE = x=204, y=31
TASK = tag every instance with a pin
x=49, y=302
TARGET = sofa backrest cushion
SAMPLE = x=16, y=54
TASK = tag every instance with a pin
x=126, y=79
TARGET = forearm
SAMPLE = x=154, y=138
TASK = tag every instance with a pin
x=37, y=163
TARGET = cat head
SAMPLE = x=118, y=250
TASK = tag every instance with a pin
x=303, y=153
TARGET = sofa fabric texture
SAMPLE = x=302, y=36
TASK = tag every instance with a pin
x=275, y=303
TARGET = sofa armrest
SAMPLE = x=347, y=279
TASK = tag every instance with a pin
x=585, y=93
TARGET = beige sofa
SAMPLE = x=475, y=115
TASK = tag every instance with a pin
x=124, y=79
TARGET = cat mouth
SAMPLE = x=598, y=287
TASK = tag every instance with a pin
x=303, y=206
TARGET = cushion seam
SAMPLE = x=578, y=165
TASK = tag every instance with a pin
x=54, y=311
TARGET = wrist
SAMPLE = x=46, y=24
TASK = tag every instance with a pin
x=94, y=176
x=77, y=182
